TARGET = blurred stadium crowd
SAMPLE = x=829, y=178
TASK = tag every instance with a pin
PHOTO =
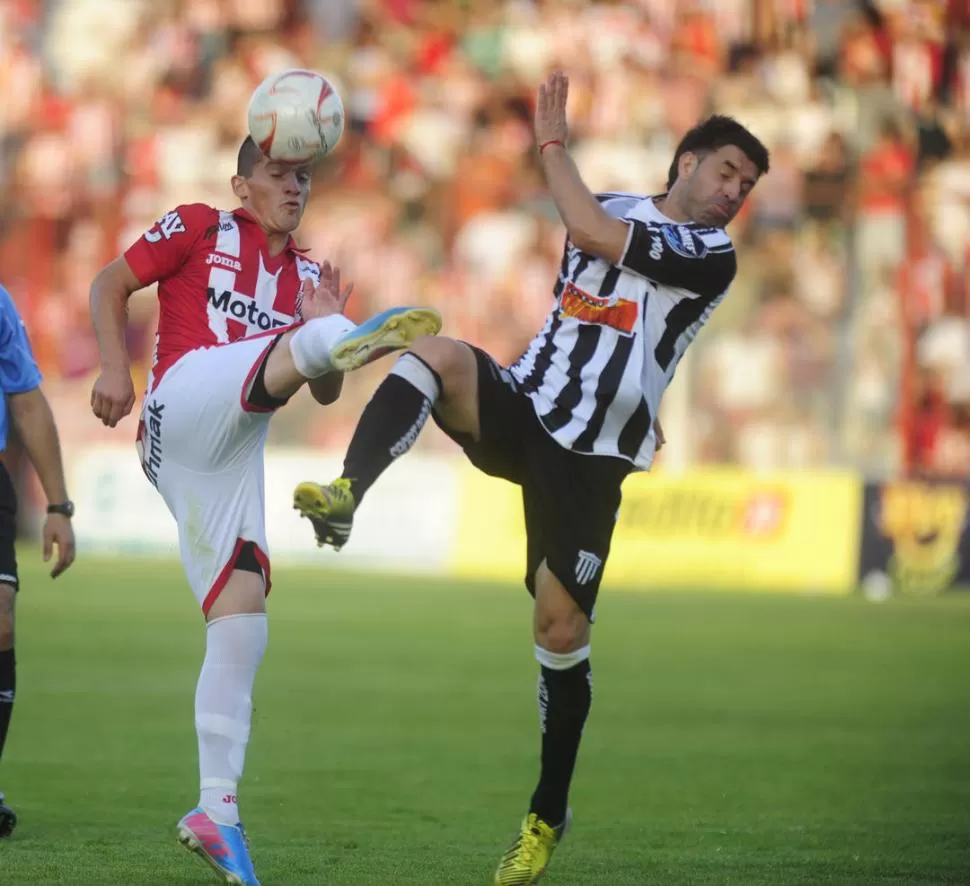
x=846, y=338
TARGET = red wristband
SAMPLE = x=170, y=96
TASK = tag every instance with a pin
x=552, y=141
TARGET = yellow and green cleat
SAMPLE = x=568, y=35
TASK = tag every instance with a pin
x=526, y=860
x=392, y=330
x=329, y=508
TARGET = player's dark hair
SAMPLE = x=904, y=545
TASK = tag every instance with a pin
x=247, y=158
x=713, y=133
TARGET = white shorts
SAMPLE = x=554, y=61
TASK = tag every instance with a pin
x=201, y=445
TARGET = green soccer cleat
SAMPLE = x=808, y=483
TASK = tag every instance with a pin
x=391, y=330
x=329, y=508
x=526, y=860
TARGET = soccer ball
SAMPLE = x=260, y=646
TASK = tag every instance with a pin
x=296, y=116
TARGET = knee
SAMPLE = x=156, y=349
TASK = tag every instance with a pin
x=559, y=625
x=561, y=633
x=446, y=357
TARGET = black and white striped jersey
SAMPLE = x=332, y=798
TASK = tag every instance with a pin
x=608, y=349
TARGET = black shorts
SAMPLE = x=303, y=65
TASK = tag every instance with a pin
x=571, y=501
x=8, y=530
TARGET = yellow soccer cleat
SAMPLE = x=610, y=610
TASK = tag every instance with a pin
x=329, y=508
x=526, y=860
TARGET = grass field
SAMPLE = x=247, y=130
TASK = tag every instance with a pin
x=734, y=740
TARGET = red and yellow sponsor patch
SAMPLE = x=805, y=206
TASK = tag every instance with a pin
x=620, y=315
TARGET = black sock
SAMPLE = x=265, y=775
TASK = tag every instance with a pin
x=564, y=702
x=8, y=688
x=391, y=422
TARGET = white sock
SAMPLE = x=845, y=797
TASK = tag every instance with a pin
x=310, y=345
x=223, y=708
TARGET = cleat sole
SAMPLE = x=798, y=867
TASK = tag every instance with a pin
x=398, y=332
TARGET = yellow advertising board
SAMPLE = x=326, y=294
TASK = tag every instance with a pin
x=710, y=528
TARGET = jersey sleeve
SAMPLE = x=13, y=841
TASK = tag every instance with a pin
x=698, y=259
x=18, y=369
x=166, y=245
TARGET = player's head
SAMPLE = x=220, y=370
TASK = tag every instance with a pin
x=715, y=166
x=274, y=193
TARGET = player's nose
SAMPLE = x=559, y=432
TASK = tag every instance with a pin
x=731, y=190
x=291, y=184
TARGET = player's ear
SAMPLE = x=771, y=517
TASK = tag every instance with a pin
x=687, y=164
x=240, y=187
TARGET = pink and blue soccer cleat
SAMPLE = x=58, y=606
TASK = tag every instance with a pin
x=223, y=846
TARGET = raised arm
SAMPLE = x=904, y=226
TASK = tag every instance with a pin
x=589, y=227
x=673, y=254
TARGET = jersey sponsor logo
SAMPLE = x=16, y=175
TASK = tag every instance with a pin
x=168, y=226
x=656, y=248
x=244, y=309
x=149, y=443
x=212, y=230
x=620, y=315
x=684, y=241
x=213, y=258
x=587, y=566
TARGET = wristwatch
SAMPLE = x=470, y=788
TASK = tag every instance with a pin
x=66, y=508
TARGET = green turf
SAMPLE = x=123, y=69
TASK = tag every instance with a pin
x=734, y=740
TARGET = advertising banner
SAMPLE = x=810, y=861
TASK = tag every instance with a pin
x=915, y=538
x=407, y=523
x=709, y=528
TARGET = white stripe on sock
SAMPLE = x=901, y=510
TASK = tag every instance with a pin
x=561, y=661
x=417, y=373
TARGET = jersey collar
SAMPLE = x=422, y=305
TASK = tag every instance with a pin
x=664, y=219
x=244, y=214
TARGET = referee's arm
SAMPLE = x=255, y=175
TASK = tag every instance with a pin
x=31, y=415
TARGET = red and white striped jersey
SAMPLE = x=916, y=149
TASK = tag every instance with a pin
x=217, y=282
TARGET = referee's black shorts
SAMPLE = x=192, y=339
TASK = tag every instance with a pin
x=8, y=530
x=571, y=501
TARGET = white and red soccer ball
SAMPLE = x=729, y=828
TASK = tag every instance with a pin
x=296, y=116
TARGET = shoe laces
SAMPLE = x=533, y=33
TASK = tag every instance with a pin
x=341, y=491
x=529, y=844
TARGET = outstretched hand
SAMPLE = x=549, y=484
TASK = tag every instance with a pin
x=550, y=116
x=327, y=298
